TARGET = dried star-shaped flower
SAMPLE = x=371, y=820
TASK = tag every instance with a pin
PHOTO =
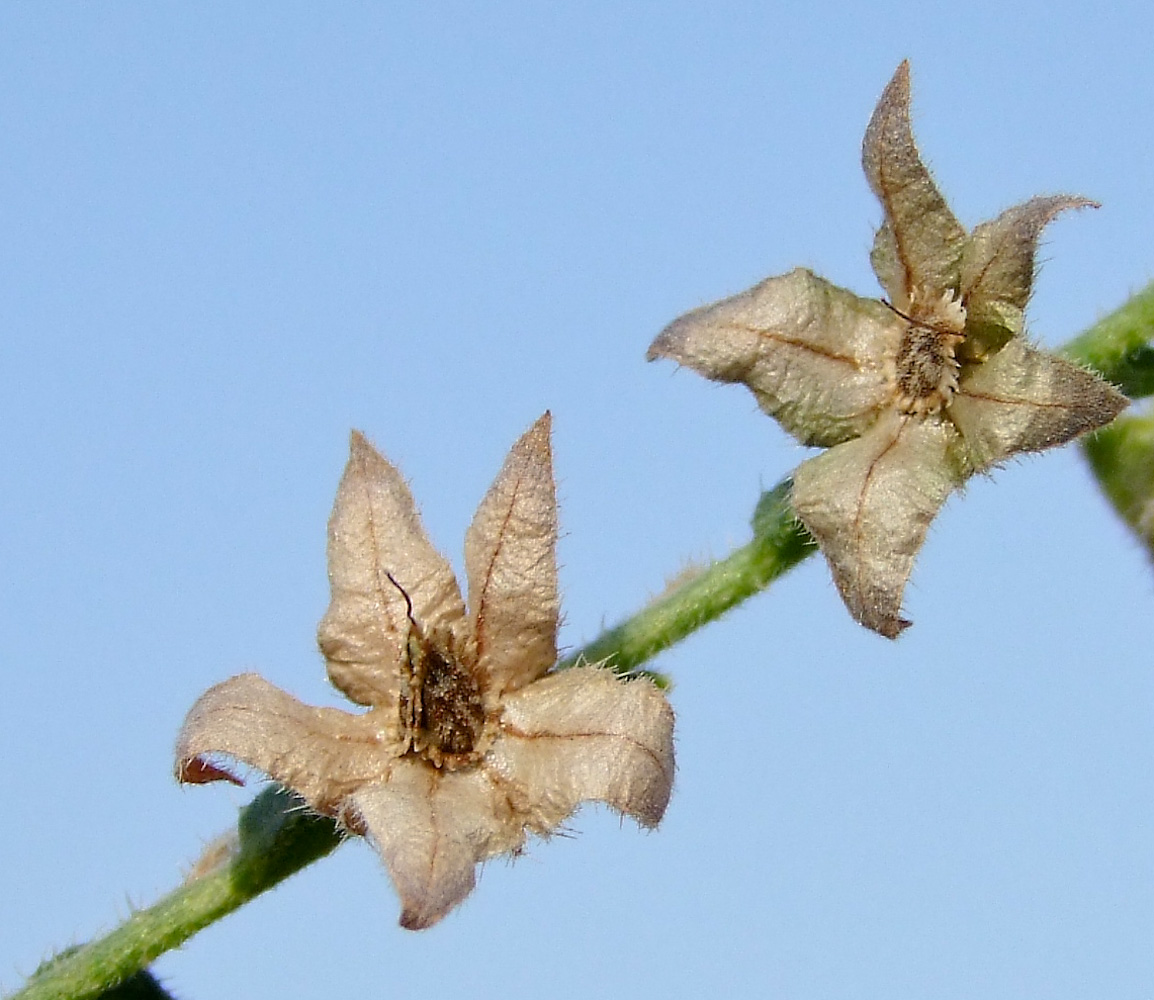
x=469, y=743
x=911, y=396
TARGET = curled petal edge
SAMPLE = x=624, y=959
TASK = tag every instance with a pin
x=586, y=735
x=808, y=351
x=320, y=753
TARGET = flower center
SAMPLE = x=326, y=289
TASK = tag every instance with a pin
x=926, y=374
x=441, y=707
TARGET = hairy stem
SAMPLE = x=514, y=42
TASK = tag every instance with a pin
x=779, y=543
x=277, y=837
x=1122, y=457
x=1122, y=454
x=1118, y=346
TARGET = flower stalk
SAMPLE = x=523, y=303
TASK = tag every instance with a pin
x=779, y=543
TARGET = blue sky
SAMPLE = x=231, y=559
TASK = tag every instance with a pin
x=232, y=233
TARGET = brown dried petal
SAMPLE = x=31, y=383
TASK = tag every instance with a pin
x=510, y=559
x=375, y=533
x=868, y=503
x=586, y=735
x=811, y=353
x=431, y=827
x=920, y=243
x=998, y=267
x=1023, y=399
x=320, y=753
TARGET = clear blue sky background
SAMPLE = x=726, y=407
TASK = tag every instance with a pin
x=232, y=232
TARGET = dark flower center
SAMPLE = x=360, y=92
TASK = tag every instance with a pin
x=451, y=709
x=927, y=371
x=441, y=706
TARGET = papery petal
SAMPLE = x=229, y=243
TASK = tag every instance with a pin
x=1024, y=399
x=582, y=735
x=998, y=268
x=431, y=827
x=868, y=503
x=510, y=560
x=375, y=533
x=813, y=354
x=322, y=754
x=920, y=243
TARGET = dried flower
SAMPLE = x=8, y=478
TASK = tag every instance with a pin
x=910, y=396
x=469, y=743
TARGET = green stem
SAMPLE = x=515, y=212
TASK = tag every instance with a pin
x=278, y=837
x=1122, y=457
x=1122, y=454
x=1118, y=347
x=779, y=543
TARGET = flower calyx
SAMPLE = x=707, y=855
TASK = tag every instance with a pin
x=911, y=395
x=470, y=743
